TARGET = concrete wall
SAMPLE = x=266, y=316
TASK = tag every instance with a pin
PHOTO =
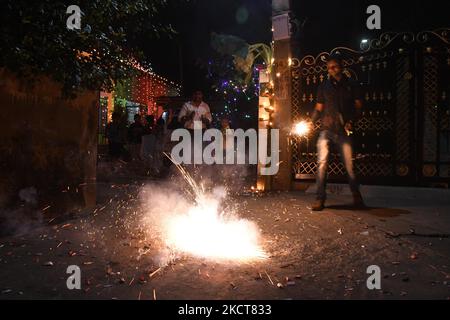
x=282, y=89
x=47, y=142
x=282, y=115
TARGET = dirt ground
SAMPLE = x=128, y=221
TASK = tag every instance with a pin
x=311, y=255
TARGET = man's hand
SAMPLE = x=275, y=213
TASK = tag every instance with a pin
x=316, y=114
x=348, y=128
x=188, y=117
x=204, y=119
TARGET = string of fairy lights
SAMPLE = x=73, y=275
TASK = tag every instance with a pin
x=234, y=93
x=144, y=67
x=144, y=88
x=267, y=93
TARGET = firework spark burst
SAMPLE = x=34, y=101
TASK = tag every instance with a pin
x=203, y=229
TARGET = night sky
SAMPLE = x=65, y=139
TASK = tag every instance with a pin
x=326, y=24
x=330, y=24
x=248, y=19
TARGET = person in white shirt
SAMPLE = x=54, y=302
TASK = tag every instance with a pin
x=195, y=110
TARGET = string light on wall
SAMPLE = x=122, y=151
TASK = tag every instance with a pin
x=144, y=87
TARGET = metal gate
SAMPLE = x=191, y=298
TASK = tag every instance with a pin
x=403, y=136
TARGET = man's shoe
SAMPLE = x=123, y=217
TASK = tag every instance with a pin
x=318, y=205
x=358, y=201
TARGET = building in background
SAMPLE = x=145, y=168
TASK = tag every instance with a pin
x=138, y=94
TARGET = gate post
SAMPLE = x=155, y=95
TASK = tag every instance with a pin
x=281, y=76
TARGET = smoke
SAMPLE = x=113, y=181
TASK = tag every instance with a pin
x=29, y=195
x=19, y=221
x=236, y=178
x=205, y=227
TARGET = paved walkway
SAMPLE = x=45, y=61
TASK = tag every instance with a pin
x=311, y=255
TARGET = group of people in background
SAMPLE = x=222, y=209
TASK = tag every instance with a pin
x=143, y=140
x=147, y=138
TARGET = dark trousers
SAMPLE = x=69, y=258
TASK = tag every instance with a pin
x=115, y=149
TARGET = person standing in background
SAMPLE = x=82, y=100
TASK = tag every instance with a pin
x=148, y=139
x=195, y=110
x=135, y=133
x=116, y=134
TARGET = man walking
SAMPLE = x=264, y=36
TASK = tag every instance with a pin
x=338, y=106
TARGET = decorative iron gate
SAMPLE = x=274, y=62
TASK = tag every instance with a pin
x=403, y=136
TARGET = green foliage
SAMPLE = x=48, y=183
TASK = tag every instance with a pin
x=244, y=54
x=35, y=39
